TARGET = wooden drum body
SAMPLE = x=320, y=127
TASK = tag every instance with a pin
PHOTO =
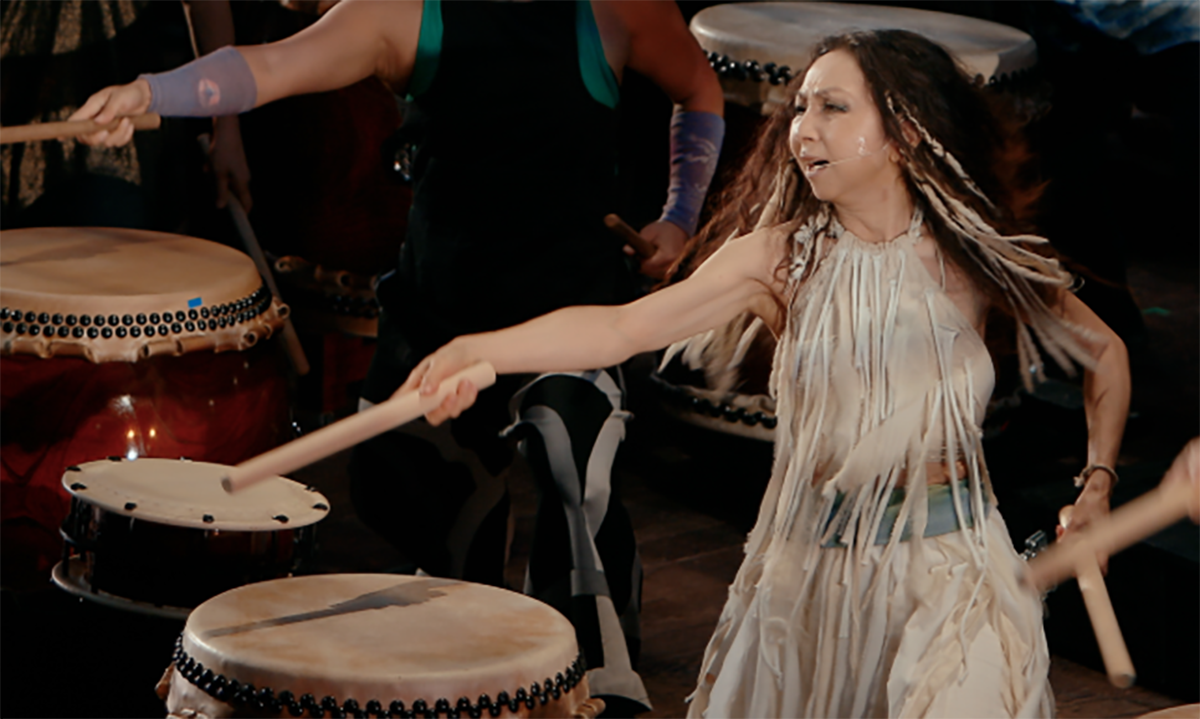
x=756, y=50
x=162, y=532
x=377, y=643
x=131, y=344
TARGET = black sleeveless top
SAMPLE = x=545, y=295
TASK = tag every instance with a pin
x=514, y=168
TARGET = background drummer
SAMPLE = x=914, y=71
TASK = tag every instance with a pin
x=514, y=118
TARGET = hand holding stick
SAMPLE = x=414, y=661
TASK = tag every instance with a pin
x=621, y=229
x=1150, y=513
x=1176, y=497
x=72, y=128
x=397, y=410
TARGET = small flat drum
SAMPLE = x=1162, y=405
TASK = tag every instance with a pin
x=125, y=343
x=374, y=643
x=756, y=47
x=162, y=532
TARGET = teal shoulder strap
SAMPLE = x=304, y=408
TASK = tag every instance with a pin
x=429, y=48
x=598, y=77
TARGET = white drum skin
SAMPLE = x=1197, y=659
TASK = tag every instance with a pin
x=377, y=638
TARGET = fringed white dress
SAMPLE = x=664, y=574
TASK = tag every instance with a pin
x=878, y=375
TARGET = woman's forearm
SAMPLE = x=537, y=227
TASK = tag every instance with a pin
x=574, y=338
x=1106, y=391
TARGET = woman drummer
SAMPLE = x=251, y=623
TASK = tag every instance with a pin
x=877, y=235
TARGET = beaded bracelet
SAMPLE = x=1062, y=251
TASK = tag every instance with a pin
x=1088, y=470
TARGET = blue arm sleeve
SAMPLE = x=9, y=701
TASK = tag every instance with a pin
x=695, y=146
x=217, y=84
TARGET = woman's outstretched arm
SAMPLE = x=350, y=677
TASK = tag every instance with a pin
x=737, y=278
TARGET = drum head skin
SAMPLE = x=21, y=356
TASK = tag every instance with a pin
x=786, y=33
x=120, y=295
x=182, y=493
x=386, y=637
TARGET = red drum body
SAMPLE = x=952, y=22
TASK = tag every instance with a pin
x=756, y=50
x=103, y=356
x=333, y=212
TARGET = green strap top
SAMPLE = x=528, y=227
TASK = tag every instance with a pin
x=598, y=77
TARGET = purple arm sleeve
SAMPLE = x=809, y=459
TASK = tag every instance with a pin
x=695, y=145
x=217, y=84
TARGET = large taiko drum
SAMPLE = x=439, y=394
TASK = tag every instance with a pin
x=379, y=644
x=756, y=50
x=125, y=343
x=161, y=536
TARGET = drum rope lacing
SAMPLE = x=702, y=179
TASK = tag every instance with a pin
x=233, y=692
x=681, y=397
x=730, y=69
x=226, y=314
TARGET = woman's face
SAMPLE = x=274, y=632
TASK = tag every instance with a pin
x=837, y=135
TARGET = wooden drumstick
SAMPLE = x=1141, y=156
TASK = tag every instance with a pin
x=397, y=410
x=1135, y=520
x=71, y=128
x=640, y=245
x=1099, y=607
x=291, y=341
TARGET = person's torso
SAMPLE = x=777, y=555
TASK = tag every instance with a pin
x=882, y=358
x=512, y=124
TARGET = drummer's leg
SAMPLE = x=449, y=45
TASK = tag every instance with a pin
x=436, y=493
x=584, y=559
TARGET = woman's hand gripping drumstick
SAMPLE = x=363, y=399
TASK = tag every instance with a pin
x=443, y=400
x=1178, y=496
x=121, y=127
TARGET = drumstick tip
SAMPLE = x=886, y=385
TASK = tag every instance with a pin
x=227, y=484
x=1122, y=680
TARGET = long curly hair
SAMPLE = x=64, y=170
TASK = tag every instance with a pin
x=968, y=174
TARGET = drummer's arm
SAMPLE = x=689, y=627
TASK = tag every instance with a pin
x=661, y=47
x=353, y=40
x=350, y=42
x=739, y=277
